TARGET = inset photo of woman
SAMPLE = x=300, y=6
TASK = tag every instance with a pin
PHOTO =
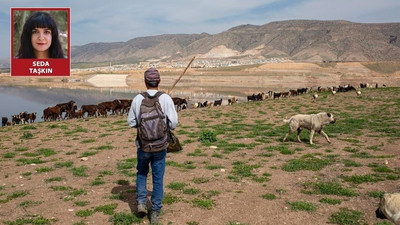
x=40, y=34
x=40, y=42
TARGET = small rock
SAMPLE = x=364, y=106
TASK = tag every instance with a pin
x=222, y=170
x=84, y=159
x=213, y=147
x=70, y=210
x=386, y=162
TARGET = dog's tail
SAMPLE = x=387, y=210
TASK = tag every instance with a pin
x=286, y=121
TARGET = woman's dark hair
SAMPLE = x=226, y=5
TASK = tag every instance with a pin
x=39, y=20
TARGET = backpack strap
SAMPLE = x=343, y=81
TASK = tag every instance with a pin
x=145, y=94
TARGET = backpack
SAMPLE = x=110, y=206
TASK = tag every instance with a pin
x=152, y=132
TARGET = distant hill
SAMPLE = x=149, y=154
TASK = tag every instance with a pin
x=299, y=40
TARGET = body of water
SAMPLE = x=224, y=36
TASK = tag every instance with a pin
x=14, y=100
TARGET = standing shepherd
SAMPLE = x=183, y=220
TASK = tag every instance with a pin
x=152, y=113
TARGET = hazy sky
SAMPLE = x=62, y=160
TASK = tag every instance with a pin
x=122, y=20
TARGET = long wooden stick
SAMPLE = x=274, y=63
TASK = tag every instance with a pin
x=169, y=91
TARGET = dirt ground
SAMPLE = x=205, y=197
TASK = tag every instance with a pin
x=31, y=189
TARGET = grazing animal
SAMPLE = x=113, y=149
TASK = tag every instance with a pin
x=333, y=92
x=52, y=113
x=179, y=103
x=66, y=107
x=389, y=207
x=312, y=122
x=277, y=95
x=293, y=92
x=358, y=93
x=126, y=105
x=4, y=121
x=91, y=110
x=32, y=117
x=251, y=98
x=232, y=100
x=315, y=96
x=15, y=119
x=218, y=102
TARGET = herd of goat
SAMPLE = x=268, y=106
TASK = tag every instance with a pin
x=69, y=110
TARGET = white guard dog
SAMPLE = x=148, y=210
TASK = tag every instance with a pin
x=312, y=122
x=389, y=207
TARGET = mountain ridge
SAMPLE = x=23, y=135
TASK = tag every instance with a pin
x=297, y=40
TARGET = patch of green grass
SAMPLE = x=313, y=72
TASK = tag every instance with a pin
x=25, y=161
x=170, y=199
x=76, y=130
x=116, y=197
x=217, y=155
x=88, y=153
x=306, y=162
x=27, y=135
x=106, y=172
x=28, y=203
x=90, y=140
x=269, y=196
x=358, y=179
x=84, y=213
x=347, y=216
x=383, y=223
x=122, y=182
x=330, y=201
x=330, y=188
x=21, y=149
x=214, y=167
x=106, y=209
x=176, y=186
x=351, y=163
x=81, y=203
x=124, y=218
x=207, y=137
x=79, y=171
x=44, y=169
x=380, y=168
x=211, y=193
x=61, y=188
x=197, y=153
x=28, y=127
x=191, y=191
x=203, y=203
x=63, y=164
x=192, y=223
x=36, y=220
x=104, y=147
x=200, y=180
x=242, y=169
x=302, y=206
x=97, y=181
x=362, y=155
x=127, y=164
x=351, y=150
x=9, y=155
x=17, y=194
x=376, y=194
x=46, y=152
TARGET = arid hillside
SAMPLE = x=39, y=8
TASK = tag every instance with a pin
x=299, y=40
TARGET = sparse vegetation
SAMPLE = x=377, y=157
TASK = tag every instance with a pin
x=230, y=153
